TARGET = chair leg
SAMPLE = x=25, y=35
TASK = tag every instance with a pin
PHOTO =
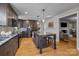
x=48, y=41
x=54, y=43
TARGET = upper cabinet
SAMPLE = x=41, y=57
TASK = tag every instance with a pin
x=8, y=16
x=3, y=14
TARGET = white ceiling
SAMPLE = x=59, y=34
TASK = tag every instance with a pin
x=72, y=18
x=35, y=9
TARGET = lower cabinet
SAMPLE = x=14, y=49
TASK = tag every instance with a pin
x=10, y=47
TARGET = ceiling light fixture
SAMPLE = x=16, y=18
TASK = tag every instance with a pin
x=43, y=15
x=43, y=20
x=49, y=16
x=38, y=17
x=26, y=12
x=38, y=23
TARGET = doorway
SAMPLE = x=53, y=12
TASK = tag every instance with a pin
x=68, y=31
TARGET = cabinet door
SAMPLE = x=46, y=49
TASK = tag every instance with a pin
x=13, y=46
x=11, y=16
x=4, y=50
x=2, y=14
x=10, y=47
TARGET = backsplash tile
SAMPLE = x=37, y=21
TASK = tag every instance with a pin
x=6, y=28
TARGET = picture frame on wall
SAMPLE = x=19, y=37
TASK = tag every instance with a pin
x=51, y=24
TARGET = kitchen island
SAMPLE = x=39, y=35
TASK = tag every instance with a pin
x=41, y=40
x=9, y=45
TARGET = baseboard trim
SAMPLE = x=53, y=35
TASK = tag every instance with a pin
x=77, y=49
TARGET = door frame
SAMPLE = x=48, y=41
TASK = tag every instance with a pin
x=76, y=26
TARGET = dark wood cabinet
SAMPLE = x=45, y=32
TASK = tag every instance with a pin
x=10, y=47
x=7, y=15
x=11, y=16
x=26, y=23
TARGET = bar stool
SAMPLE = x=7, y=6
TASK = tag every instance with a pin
x=51, y=39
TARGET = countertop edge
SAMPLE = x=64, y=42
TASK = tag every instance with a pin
x=4, y=41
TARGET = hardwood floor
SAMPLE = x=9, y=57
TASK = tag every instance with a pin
x=27, y=48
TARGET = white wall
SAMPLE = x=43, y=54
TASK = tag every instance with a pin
x=41, y=25
x=78, y=30
x=55, y=19
x=54, y=29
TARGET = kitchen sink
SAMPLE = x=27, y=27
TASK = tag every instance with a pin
x=3, y=38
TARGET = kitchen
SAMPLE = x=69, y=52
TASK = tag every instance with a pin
x=24, y=27
x=11, y=29
x=8, y=35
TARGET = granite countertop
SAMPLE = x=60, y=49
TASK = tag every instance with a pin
x=7, y=39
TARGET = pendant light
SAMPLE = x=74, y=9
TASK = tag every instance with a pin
x=43, y=20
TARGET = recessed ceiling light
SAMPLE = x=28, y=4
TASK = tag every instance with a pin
x=49, y=16
x=26, y=12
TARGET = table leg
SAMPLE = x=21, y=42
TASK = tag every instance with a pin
x=54, y=41
x=40, y=51
x=48, y=41
x=52, y=45
x=18, y=40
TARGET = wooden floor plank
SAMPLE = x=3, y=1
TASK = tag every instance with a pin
x=27, y=48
